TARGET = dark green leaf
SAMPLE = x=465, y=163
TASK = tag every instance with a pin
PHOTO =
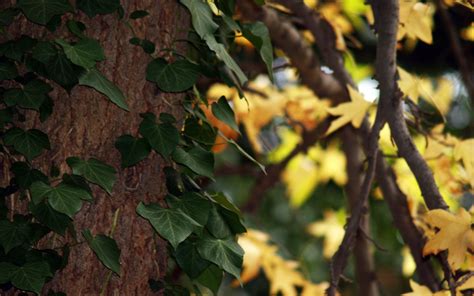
x=44, y=52
x=6, y=115
x=31, y=96
x=7, y=70
x=135, y=41
x=30, y=277
x=13, y=234
x=42, y=11
x=46, y=109
x=48, y=216
x=224, y=202
x=201, y=17
x=167, y=118
x=138, y=14
x=148, y=46
x=62, y=71
x=225, y=253
x=6, y=269
x=222, y=111
x=163, y=137
x=93, y=78
x=93, y=7
x=76, y=28
x=94, y=171
x=217, y=225
x=79, y=182
x=171, y=224
x=7, y=16
x=133, y=150
x=172, y=77
x=14, y=49
x=233, y=221
x=211, y=278
x=257, y=33
x=189, y=259
x=30, y=143
x=25, y=176
x=106, y=250
x=193, y=205
x=197, y=159
x=200, y=132
x=84, y=53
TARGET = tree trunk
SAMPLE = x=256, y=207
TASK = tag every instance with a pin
x=86, y=124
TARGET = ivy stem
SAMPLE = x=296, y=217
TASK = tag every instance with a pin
x=111, y=233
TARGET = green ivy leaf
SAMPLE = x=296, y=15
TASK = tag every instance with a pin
x=14, y=49
x=94, y=171
x=106, y=250
x=133, y=150
x=189, y=260
x=224, y=202
x=30, y=277
x=13, y=234
x=31, y=96
x=94, y=7
x=200, y=132
x=30, y=143
x=93, y=78
x=197, y=159
x=138, y=14
x=63, y=198
x=79, y=182
x=193, y=205
x=172, y=77
x=258, y=34
x=211, y=278
x=7, y=70
x=85, y=53
x=48, y=216
x=25, y=175
x=163, y=137
x=76, y=28
x=42, y=11
x=171, y=224
x=217, y=225
x=225, y=253
x=222, y=111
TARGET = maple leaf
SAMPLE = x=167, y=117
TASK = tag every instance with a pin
x=420, y=290
x=464, y=151
x=415, y=21
x=454, y=235
x=353, y=111
x=331, y=229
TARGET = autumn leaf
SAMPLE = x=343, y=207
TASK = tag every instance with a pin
x=332, y=229
x=353, y=111
x=415, y=20
x=420, y=290
x=464, y=151
x=454, y=235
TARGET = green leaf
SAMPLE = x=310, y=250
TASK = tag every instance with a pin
x=42, y=11
x=93, y=78
x=76, y=28
x=30, y=143
x=13, y=234
x=106, y=250
x=25, y=175
x=6, y=269
x=197, y=159
x=224, y=202
x=163, y=137
x=200, y=132
x=171, y=224
x=31, y=96
x=30, y=277
x=138, y=14
x=63, y=198
x=7, y=70
x=211, y=278
x=7, y=16
x=217, y=225
x=193, y=205
x=189, y=259
x=133, y=150
x=222, y=111
x=94, y=171
x=258, y=34
x=44, y=52
x=48, y=216
x=94, y=7
x=172, y=77
x=84, y=53
x=79, y=182
x=225, y=253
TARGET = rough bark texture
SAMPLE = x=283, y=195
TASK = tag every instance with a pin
x=86, y=124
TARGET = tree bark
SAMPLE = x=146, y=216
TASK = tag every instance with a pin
x=86, y=124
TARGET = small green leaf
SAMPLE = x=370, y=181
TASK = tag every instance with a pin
x=258, y=34
x=25, y=175
x=106, y=250
x=163, y=137
x=225, y=253
x=76, y=28
x=189, y=259
x=30, y=143
x=201, y=17
x=197, y=159
x=193, y=205
x=63, y=198
x=138, y=14
x=224, y=202
x=93, y=78
x=84, y=53
x=211, y=278
x=94, y=171
x=13, y=234
x=94, y=7
x=133, y=150
x=7, y=70
x=222, y=111
x=30, y=277
x=171, y=224
x=48, y=216
x=31, y=96
x=167, y=118
x=42, y=11
x=172, y=77
x=148, y=46
x=79, y=182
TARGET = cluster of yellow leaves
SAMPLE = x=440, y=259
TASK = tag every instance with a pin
x=420, y=290
x=454, y=235
x=331, y=228
x=283, y=275
x=416, y=19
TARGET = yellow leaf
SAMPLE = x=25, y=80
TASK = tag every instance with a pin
x=464, y=150
x=419, y=290
x=415, y=19
x=408, y=265
x=454, y=235
x=411, y=85
x=468, y=32
x=469, y=284
x=353, y=111
x=301, y=178
x=331, y=229
x=213, y=7
x=310, y=289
